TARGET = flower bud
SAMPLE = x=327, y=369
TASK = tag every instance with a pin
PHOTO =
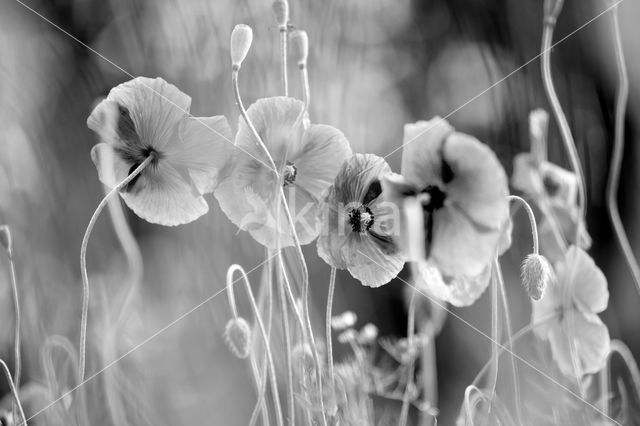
x=300, y=46
x=345, y=320
x=347, y=336
x=237, y=334
x=241, y=39
x=5, y=239
x=536, y=275
x=281, y=11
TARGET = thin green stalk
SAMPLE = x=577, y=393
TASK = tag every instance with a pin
x=411, y=328
x=83, y=260
x=561, y=120
x=287, y=341
x=258, y=319
x=14, y=392
x=622, y=96
x=332, y=384
x=283, y=58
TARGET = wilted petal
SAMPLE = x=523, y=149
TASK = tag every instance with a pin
x=587, y=281
x=526, y=176
x=460, y=291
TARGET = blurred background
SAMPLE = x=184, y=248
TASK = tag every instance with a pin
x=374, y=65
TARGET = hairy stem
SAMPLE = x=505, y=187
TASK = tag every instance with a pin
x=83, y=261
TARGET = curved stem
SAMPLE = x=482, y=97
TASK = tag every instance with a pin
x=14, y=392
x=618, y=151
x=298, y=247
x=561, y=120
x=332, y=384
x=495, y=333
x=532, y=221
x=258, y=318
x=83, y=260
x=16, y=306
x=411, y=327
x=283, y=57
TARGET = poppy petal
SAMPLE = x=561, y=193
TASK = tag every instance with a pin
x=372, y=265
x=205, y=147
x=587, y=280
x=162, y=196
x=421, y=153
x=112, y=169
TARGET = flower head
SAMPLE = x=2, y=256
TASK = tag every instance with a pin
x=148, y=117
x=568, y=314
x=356, y=223
x=307, y=160
x=454, y=190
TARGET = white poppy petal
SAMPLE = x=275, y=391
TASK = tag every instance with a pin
x=162, y=196
x=587, y=280
x=112, y=169
x=421, y=152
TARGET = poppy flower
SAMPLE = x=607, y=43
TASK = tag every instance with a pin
x=568, y=314
x=357, y=223
x=307, y=159
x=457, y=192
x=145, y=117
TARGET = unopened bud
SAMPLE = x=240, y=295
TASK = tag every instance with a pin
x=300, y=46
x=237, y=334
x=345, y=320
x=281, y=11
x=536, y=275
x=368, y=334
x=241, y=39
x=5, y=239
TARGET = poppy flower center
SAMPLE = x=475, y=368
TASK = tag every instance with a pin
x=361, y=219
x=551, y=185
x=432, y=198
x=290, y=172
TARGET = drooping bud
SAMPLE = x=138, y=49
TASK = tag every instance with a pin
x=237, y=334
x=5, y=239
x=368, y=334
x=281, y=12
x=343, y=321
x=536, y=275
x=241, y=39
x=300, y=46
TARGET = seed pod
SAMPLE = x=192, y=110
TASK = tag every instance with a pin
x=237, y=334
x=344, y=320
x=241, y=39
x=300, y=46
x=281, y=11
x=536, y=275
x=368, y=334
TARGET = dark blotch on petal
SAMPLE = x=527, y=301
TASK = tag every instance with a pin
x=126, y=126
x=551, y=185
x=375, y=189
x=446, y=171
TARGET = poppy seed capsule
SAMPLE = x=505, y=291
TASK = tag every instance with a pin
x=241, y=39
x=237, y=334
x=281, y=11
x=536, y=275
x=300, y=46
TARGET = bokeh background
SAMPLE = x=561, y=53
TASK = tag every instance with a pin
x=374, y=65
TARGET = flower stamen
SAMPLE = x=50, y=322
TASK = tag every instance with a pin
x=289, y=173
x=361, y=219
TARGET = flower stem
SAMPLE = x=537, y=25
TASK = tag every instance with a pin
x=561, y=119
x=83, y=261
x=411, y=328
x=532, y=221
x=283, y=57
x=332, y=287
x=306, y=90
x=258, y=319
x=16, y=306
x=618, y=150
x=287, y=341
x=14, y=392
